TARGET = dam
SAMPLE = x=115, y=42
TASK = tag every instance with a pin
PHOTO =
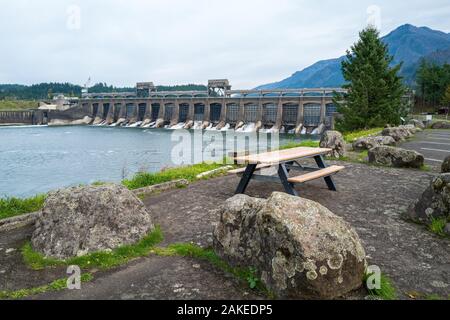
x=217, y=108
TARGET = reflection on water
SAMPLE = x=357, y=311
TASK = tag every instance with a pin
x=38, y=159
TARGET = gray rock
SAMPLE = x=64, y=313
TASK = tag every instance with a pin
x=82, y=220
x=417, y=123
x=411, y=128
x=447, y=229
x=441, y=125
x=333, y=140
x=398, y=133
x=300, y=248
x=368, y=143
x=396, y=157
x=434, y=202
x=446, y=165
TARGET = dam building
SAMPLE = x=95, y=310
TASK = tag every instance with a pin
x=217, y=108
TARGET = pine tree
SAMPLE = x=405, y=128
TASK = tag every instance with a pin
x=375, y=91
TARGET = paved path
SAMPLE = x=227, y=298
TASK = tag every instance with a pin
x=433, y=144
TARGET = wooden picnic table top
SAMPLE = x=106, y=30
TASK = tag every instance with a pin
x=275, y=157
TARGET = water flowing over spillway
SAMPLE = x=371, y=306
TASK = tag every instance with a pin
x=178, y=126
x=197, y=125
x=249, y=127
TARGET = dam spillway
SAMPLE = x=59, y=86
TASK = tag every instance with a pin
x=218, y=108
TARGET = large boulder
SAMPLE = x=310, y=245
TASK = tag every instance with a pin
x=82, y=220
x=446, y=165
x=441, y=125
x=434, y=202
x=368, y=143
x=398, y=133
x=396, y=157
x=412, y=129
x=335, y=141
x=417, y=123
x=299, y=248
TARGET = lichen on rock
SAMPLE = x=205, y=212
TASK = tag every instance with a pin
x=300, y=248
x=82, y=220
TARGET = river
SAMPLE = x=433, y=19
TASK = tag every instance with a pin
x=37, y=159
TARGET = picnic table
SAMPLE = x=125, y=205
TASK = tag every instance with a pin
x=285, y=161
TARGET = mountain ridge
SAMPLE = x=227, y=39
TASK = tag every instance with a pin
x=407, y=43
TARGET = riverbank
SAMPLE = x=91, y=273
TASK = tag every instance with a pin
x=410, y=255
x=13, y=206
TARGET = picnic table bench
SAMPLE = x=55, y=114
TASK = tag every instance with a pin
x=286, y=161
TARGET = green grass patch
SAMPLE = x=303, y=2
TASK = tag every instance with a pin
x=437, y=226
x=11, y=207
x=386, y=291
x=16, y=105
x=305, y=143
x=246, y=275
x=351, y=137
x=436, y=297
x=190, y=173
x=102, y=260
x=56, y=285
x=99, y=183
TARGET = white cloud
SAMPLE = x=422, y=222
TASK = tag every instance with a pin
x=179, y=41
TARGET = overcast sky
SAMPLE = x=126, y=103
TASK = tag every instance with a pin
x=250, y=42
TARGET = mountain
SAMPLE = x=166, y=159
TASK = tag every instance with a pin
x=407, y=43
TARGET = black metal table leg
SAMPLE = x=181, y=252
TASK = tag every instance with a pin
x=321, y=164
x=246, y=177
x=284, y=176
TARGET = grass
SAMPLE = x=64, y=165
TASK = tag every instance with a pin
x=189, y=173
x=102, y=260
x=246, y=275
x=305, y=143
x=56, y=285
x=11, y=207
x=14, y=105
x=351, y=137
x=435, y=297
x=386, y=291
x=437, y=226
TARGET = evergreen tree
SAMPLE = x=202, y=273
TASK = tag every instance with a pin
x=432, y=82
x=375, y=90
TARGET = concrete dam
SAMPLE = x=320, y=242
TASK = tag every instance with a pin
x=218, y=108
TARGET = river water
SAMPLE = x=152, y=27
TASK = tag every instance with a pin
x=37, y=159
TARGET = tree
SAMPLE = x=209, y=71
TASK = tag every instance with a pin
x=446, y=97
x=50, y=93
x=432, y=82
x=375, y=90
